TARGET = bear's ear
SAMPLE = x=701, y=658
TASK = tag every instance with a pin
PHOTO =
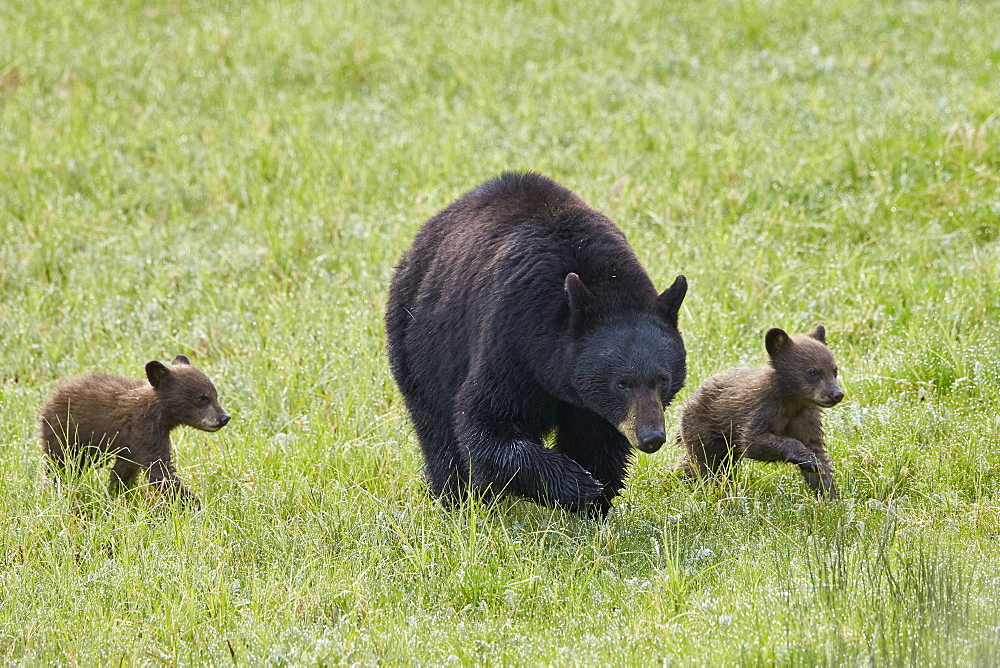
x=180, y=359
x=775, y=341
x=577, y=296
x=670, y=301
x=156, y=373
x=819, y=333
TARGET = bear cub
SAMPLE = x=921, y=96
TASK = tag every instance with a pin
x=97, y=414
x=770, y=413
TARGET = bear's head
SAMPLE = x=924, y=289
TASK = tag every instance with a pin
x=627, y=368
x=804, y=366
x=186, y=395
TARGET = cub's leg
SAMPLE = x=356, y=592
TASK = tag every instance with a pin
x=123, y=474
x=814, y=466
x=772, y=448
x=710, y=457
x=158, y=462
x=821, y=481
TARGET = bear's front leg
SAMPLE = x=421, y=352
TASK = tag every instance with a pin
x=821, y=481
x=811, y=434
x=595, y=444
x=507, y=459
x=163, y=476
x=773, y=448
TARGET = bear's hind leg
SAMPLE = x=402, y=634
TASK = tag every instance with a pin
x=593, y=443
x=708, y=458
x=65, y=454
x=123, y=475
x=56, y=460
x=446, y=462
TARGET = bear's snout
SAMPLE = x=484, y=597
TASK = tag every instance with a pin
x=828, y=397
x=213, y=423
x=643, y=424
x=650, y=440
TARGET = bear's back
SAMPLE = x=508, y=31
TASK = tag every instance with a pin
x=729, y=402
x=520, y=234
x=485, y=278
x=744, y=400
x=90, y=404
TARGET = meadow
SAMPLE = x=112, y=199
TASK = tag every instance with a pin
x=235, y=181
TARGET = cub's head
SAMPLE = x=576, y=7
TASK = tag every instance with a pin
x=186, y=395
x=627, y=370
x=805, y=366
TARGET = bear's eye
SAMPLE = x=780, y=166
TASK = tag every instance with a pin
x=812, y=373
x=621, y=385
x=835, y=370
x=662, y=380
x=203, y=400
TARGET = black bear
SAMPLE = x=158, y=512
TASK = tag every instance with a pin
x=770, y=413
x=98, y=414
x=519, y=311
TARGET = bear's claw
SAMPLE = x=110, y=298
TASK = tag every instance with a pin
x=811, y=466
x=579, y=488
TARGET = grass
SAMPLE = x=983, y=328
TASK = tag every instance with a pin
x=235, y=182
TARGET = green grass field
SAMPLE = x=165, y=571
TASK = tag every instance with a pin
x=235, y=181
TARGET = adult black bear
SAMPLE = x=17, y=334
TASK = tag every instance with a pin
x=520, y=310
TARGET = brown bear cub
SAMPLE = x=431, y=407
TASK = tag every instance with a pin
x=97, y=414
x=770, y=413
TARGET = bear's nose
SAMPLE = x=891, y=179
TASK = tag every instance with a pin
x=224, y=419
x=836, y=396
x=650, y=441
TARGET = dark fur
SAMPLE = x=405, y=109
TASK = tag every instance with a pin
x=97, y=414
x=770, y=413
x=520, y=310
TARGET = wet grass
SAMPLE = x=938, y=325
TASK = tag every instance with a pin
x=235, y=183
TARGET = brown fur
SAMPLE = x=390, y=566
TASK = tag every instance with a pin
x=97, y=415
x=770, y=413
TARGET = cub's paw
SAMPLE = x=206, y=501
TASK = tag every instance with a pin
x=185, y=498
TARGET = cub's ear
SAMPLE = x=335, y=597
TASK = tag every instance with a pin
x=180, y=359
x=577, y=296
x=156, y=373
x=775, y=341
x=819, y=333
x=670, y=301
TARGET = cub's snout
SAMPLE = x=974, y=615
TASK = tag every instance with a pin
x=831, y=398
x=216, y=423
